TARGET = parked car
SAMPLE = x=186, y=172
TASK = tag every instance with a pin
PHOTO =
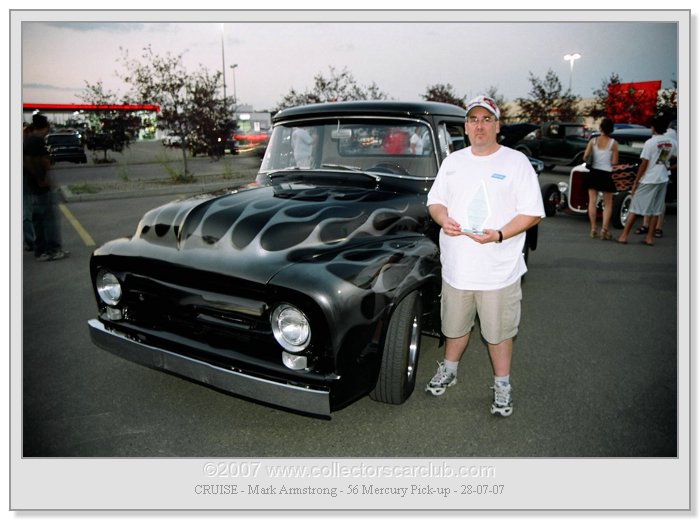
x=65, y=146
x=252, y=141
x=630, y=142
x=575, y=194
x=172, y=140
x=555, y=143
x=307, y=289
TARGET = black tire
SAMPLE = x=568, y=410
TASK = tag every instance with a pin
x=397, y=375
x=525, y=150
x=621, y=208
x=551, y=196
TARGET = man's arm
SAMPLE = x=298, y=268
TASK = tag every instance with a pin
x=439, y=214
x=640, y=173
x=519, y=224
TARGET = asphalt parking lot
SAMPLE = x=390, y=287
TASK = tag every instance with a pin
x=595, y=368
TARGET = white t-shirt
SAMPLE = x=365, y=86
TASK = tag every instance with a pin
x=417, y=141
x=302, y=142
x=658, y=150
x=511, y=188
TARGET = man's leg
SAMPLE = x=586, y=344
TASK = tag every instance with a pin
x=499, y=312
x=457, y=312
x=501, y=355
x=628, y=227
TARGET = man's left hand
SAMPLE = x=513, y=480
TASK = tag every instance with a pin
x=489, y=235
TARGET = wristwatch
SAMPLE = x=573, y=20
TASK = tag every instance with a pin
x=500, y=237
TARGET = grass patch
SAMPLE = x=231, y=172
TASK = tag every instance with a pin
x=123, y=170
x=177, y=175
x=83, y=188
x=229, y=171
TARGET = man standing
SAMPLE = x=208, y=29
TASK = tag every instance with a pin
x=649, y=188
x=302, y=146
x=484, y=198
x=47, y=243
x=416, y=142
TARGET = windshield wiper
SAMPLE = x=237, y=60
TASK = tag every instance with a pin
x=341, y=167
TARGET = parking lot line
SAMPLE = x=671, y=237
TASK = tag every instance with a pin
x=77, y=225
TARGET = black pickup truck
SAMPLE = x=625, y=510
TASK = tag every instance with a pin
x=307, y=289
x=563, y=144
x=554, y=143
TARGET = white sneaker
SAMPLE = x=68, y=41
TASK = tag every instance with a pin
x=502, y=400
x=441, y=380
x=60, y=254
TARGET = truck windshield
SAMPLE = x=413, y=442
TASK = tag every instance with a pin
x=383, y=146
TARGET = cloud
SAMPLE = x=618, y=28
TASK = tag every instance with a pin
x=99, y=26
x=46, y=86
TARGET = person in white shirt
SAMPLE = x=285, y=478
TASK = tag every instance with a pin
x=416, y=142
x=659, y=231
x=484, y=198
x=649, y=187
x=302, y=146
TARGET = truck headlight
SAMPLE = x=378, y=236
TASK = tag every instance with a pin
x=290, y=327
x=108, y=287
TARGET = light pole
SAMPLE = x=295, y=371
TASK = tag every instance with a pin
x=571, y=58
x=233, y=68
x=223, y=61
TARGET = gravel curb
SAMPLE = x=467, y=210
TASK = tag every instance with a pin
x=68, y=195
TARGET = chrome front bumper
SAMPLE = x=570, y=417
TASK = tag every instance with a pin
x=302, y=399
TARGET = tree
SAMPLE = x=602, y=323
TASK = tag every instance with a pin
x=209, y=125
x=337, y=87
x=443, y=94
x=547, y=102
x=667, y=104
x=189, y=106
x=108, y=129
x=599, y=109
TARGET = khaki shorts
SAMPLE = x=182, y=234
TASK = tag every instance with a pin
x=499, y=312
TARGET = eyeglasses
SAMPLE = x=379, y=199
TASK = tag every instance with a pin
x=473, y=120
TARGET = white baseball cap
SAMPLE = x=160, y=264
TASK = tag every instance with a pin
x=484, y=102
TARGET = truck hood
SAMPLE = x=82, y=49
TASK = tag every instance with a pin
x=253, y=233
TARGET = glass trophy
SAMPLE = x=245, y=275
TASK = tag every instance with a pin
x=477, y=212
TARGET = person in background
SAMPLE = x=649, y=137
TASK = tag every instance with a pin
x=302, y=146
x=416, y=142
x=659, y=231
x=36, y=165
x=649, y=188
x=27, y=227
x=603, y=150
x=484, y=198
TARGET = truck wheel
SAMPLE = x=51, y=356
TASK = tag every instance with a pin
x=525, y=150
x=621, y=209
x=551, y=196
x=397, y=375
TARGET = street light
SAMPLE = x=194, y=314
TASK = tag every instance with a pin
x=223, y=61
x=571, y=57
x=233, y=68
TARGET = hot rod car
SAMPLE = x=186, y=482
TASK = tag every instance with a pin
x=310, y=287
x=573, y=196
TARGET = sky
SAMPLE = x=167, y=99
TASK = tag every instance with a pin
x=403, y=58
